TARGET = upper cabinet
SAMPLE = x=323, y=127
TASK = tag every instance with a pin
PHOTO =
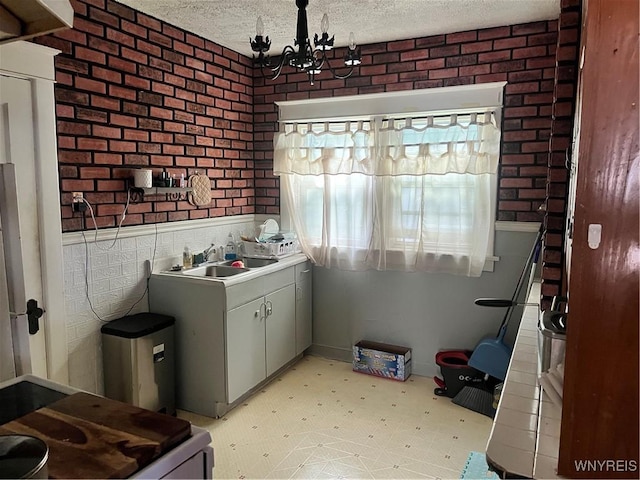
x=23, y=19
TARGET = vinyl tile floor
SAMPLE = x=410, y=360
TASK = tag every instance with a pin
x=319, y=419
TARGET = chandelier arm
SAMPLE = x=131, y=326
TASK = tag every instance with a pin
x=334, y=71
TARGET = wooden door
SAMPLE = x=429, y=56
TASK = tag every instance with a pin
x=599, y=436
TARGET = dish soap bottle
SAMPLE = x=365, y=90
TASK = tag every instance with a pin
x=230, y=249
x=187, y=258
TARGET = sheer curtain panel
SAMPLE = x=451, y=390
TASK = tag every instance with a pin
x=410, y=194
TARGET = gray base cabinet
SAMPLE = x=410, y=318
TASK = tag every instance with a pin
x=303, y=307
x=280, y=326
x=231, y=337
x=245, y=348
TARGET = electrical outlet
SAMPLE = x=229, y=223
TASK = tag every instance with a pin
x=78, y=202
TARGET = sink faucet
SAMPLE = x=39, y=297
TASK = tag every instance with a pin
x=209, y=251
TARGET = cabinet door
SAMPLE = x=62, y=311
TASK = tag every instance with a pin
x=303, y=315
x=245, y=348
x=281, y=327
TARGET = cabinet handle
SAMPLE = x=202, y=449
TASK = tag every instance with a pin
x=263, y=317
x=306, y=271
x=256, y=313
x=269, y=308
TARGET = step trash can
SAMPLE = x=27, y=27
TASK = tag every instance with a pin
x=138, y=354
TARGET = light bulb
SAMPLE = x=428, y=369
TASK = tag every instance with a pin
x=324, y=24
x=352, y=41
x=259, y=27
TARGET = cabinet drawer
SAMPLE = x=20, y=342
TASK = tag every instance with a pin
x=279, y=279
x=245, y=292
x=303, y=271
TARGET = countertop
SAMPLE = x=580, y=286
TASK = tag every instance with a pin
x=525, y=435
x=281, y=264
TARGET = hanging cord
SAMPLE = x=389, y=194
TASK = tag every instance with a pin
x=86, y=256
x=95, y=225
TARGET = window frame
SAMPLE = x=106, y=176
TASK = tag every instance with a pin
x=427, y=102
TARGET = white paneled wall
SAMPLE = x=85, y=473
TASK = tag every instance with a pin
x=116, y=278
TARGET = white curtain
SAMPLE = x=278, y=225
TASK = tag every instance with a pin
x=404, y=194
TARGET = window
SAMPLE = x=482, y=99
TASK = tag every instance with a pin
x=409, y=193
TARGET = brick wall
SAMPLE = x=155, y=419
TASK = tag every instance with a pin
x=523, y=55
x=136, y=92
x=564, y=97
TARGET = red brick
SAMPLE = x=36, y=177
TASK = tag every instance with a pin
x=515, y=183
x=401, y=45
x=120, y=64
x=135, y=29
x=66, y=142
x=122, y=92
x=90, y=55
x=107, y=158
x=493, y=77
x=110, y=185
x=514, y=206
x=73, y=128
x=107, y=132
x=542, y=62
x=529, y=28
x=105, y=74
x=149, y=22
x=530, y=52
x=93, y=144
x=512, y=112
x=535, y=147
x=432, y=64
x=508, y=43
x=135, y=56
x=122, y=146
x=76, y=185
x=83, y=25
x=123, y=120
x=91, y=85
x=499, y=32
x=66, y=156
x=95, y=172
x=494, y=56
x=477, y=47
x=462, y=37
x=120, y=37
x=418, y=54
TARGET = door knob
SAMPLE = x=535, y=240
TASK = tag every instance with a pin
x=33, y=313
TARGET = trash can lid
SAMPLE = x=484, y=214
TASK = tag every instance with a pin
x=138, y=325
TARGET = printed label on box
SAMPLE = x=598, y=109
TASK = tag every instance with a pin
x=382, y=360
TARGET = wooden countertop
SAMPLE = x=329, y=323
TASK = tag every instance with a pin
x=95, y=437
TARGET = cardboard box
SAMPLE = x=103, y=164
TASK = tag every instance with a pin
x=382, y=360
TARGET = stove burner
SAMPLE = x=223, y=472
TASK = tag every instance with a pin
x=24, y=397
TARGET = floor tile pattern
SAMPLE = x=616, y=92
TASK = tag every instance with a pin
x=320, y=420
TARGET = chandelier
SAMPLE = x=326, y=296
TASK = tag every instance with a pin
x=302, y=56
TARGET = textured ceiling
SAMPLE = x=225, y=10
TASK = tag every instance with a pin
x=231, y=22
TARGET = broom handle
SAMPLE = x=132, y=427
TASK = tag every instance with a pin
x=527, y=266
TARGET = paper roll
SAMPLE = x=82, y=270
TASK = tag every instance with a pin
x=142, y=178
